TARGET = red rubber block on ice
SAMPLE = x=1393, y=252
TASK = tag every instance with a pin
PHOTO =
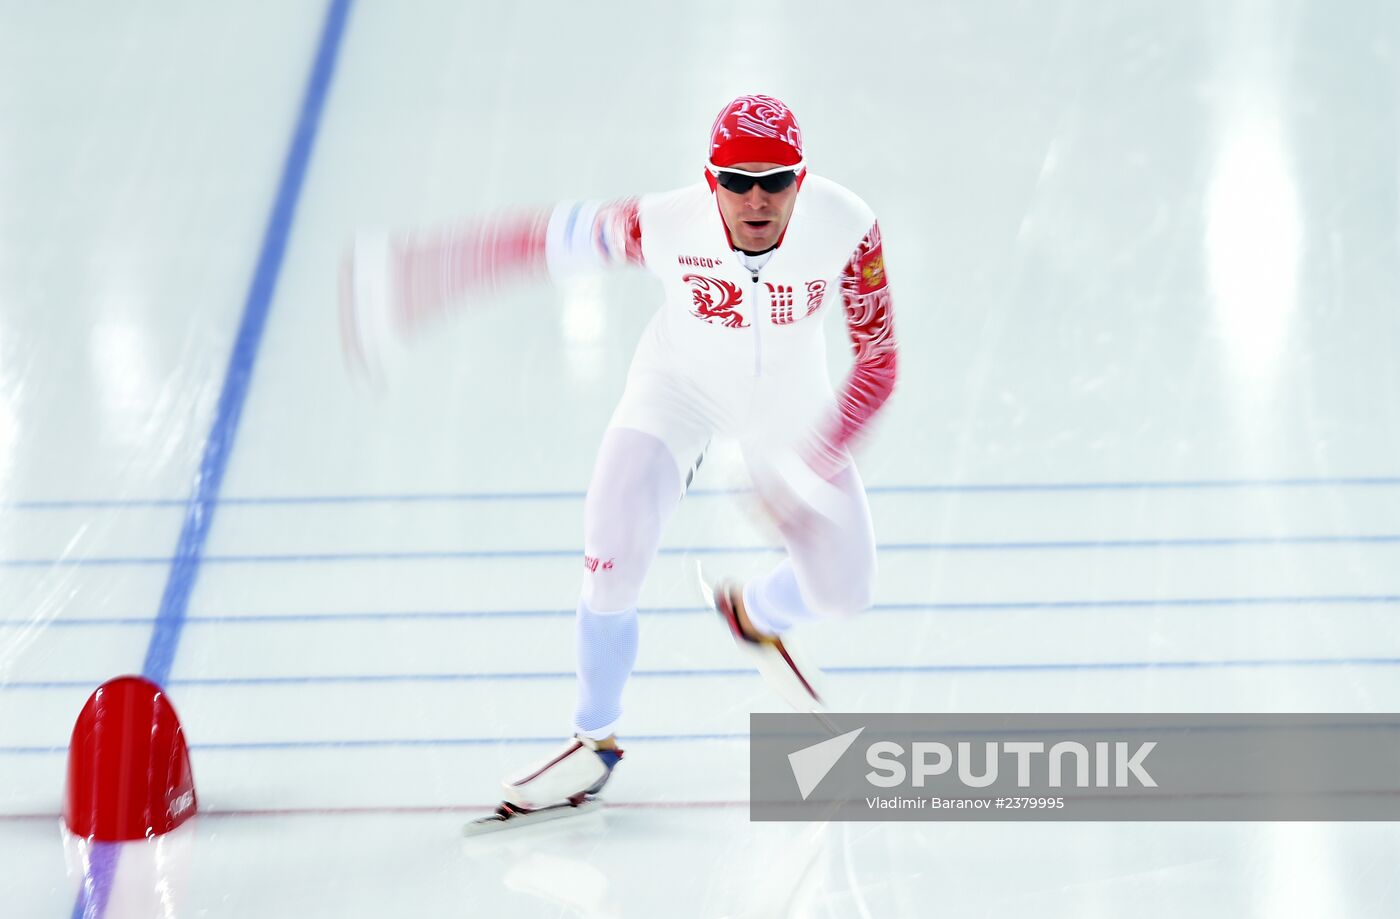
x=129, y=773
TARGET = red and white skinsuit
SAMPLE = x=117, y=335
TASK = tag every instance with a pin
x=742, y=348
x=737, y=349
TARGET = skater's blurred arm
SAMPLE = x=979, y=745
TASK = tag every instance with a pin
x=790, y=483
x=433, y=272
x=865, y=294
x=391, y=285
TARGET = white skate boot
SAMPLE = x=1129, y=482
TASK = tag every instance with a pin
x=561, y=785
x=793, y=679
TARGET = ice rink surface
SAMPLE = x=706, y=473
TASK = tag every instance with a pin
x=1144, y=453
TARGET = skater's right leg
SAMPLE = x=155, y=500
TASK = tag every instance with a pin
x=634, y=490
x=659, y=428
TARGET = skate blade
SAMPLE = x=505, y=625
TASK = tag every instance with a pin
x=775, y=673
x=507, y=817
x=706, y=591
x=783, y=680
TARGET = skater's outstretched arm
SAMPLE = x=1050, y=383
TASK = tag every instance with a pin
x=422, y=274
x=392, y=284
x=455, y=266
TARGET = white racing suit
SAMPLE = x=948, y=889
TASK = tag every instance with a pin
x=736, y=349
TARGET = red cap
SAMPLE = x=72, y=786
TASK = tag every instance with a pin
x=755, y=129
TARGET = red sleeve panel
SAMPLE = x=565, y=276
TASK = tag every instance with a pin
x=616, y=234
x=865, y=293
x=434, y=271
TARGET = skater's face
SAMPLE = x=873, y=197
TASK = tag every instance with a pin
x=756, y=218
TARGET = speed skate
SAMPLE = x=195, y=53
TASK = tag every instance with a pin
x=793, y=679
x=564, y=784
x=510, y=816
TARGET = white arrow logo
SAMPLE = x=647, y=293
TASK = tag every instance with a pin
x=811, y=764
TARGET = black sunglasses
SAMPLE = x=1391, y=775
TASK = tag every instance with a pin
x=740, y=182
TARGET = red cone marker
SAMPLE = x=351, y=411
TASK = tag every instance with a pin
x=129, y=773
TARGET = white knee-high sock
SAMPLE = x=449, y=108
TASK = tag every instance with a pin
x=607, y=649
x=634, y=489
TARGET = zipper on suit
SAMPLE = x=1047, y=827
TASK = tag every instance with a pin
x=757, y=319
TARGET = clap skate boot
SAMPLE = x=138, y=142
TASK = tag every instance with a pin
x=793, y=679
x=561, y=785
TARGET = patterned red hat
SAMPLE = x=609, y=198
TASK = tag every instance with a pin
x=755, y=129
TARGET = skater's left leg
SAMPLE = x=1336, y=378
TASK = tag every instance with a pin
x=829, y=571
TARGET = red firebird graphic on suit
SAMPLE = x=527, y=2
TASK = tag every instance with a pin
x=703, y=293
